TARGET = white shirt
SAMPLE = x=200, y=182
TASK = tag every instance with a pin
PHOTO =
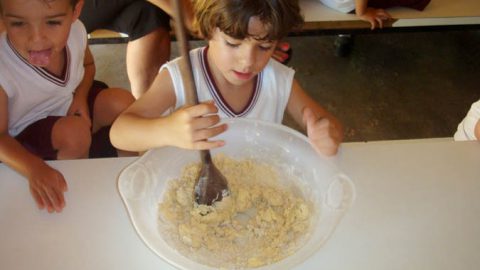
x=34, y=93
x=344, y=6
x=269, y=98
x=466, y=128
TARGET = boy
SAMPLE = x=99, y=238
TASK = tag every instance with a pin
x=49, y=104
x=237, y=72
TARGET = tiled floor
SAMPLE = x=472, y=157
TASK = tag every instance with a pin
x=392, y=86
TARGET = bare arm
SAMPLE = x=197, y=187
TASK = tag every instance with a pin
x=46, y=184
x=323, y=129
x=142, y=126
x=89, y=64
x=79, y=104
x=361, y=7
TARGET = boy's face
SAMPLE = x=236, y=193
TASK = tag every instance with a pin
x=239, y=61
x=39, y=29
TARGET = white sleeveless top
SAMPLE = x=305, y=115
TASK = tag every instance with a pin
x=33, y=92
x=466, y=128
x=269, y=99
x=344, y=6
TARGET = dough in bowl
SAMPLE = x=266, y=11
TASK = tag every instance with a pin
x=264, y=220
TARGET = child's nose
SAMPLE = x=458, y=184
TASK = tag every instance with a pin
x=247, y=57
x=37, y=34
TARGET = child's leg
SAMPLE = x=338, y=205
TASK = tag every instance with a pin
x=56, y=137
x=37, y=138
x=105, y=106
x=144, y=57
x=71, y=137
x=148, y=29
x=108, y=105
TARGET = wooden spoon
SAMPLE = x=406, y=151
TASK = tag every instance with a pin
x=211, y=185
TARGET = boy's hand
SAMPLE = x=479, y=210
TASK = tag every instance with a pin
x=322, y=132
x=192, y=126
x=47, y=186
x=79, y=107
x=375, y=17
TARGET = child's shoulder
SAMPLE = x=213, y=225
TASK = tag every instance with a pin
x=196, y=56
x=4, y=61
x=78, y=26
x=278, y=69
x=78, y=35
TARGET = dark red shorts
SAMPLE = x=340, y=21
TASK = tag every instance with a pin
x=415, y=4
x=37, y=137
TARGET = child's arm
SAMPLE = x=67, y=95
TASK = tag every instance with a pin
x=372, y=15
x=142, y=126
x=323, y=129
x=79, y=104
x=47, y=185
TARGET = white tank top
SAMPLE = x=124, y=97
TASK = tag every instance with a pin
x=344, y=6
x=269, y=99
x=466, y=128
x=33, y=92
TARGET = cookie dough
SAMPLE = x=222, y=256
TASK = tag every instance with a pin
x=263, y=220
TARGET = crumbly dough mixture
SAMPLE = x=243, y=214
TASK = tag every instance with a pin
x=261, y=222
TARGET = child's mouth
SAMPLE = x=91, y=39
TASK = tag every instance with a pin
x=40, y=58
x=243, y=75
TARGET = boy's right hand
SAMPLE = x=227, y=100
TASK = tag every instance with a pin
x=192, y=126
x=375, y=17
x=47, y=186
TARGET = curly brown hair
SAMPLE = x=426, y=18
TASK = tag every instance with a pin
x=232, y=17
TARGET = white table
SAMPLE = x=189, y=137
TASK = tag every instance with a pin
x=417, y=207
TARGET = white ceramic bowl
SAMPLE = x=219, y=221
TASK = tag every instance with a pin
x=143, y=183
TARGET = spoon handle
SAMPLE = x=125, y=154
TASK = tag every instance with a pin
x=186, y=66
x=185, y=62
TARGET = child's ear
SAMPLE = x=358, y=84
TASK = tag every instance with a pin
x=77, y=10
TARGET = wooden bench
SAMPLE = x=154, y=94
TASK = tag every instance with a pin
x=319, y=19
x=104, y=36
x=439, y=14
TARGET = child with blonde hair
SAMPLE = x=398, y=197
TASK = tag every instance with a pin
x=49, y=103
x=235, y=77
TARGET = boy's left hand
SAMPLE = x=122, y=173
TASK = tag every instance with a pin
x=80, y=108
x=323, y=133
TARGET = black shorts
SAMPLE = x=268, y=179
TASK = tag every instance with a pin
x=136, y=18
x=37, y=137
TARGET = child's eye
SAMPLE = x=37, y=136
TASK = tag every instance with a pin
x=230, y=44
x=16, y=24
x=265, y=48
x=54, y=22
